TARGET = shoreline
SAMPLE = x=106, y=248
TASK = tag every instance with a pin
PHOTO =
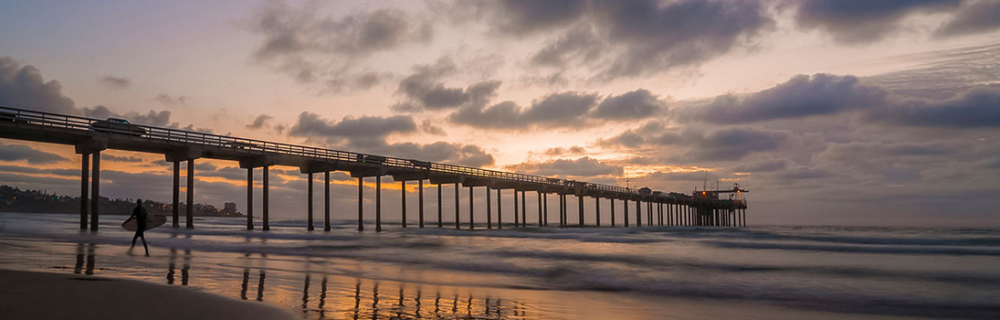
x=43, y=295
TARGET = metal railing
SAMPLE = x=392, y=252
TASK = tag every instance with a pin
x=254, y=146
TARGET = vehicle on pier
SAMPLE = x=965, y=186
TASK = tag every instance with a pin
x=117, y=125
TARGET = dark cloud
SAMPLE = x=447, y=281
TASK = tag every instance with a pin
x=632, y=105
x=24, y=87
x=108, y=157
x=566, y=109
x=424, y=90
x=32, y=170
x=171, y=100
x=323, y=49
x=976, y=108
x=802, y=96
x=259, y=122
x=723, y=144
x=769, y=165
x=582, y=167
x=427, y=126
x=443, y=152
x=367, y=128
x=15, y=152
x=151, y=118
x=559, y=151
x=518, y=17
x=114, y=82
x=978, y=17
x=863, y=21
x=579, y=44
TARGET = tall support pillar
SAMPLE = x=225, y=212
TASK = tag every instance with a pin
x=597, y=210
x=85, y=189
x=264, y=201
x=562, y=205
x=499, y=209
x=649, y=213
x=744, y=216
x=361, y=204
x=250, y=198
x=95, y=191
x=326, y=201
x=625, y=205
x=612, y=200
x=440, y=209
x=420, y=202
x=545, y=209
x=524, y=210
x=457, y=218
x=309, y=203
x=517, y=219
x=190, y=195
x=489, y=208
x=378, y=203
x=638, y=213
x=579, y=210
x=472, y=208
x=402, y=197
x=176, y=210
x=539, y=193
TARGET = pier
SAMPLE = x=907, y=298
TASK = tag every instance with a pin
x=92, y=136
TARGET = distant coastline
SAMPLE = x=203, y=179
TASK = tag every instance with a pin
x=13, y=199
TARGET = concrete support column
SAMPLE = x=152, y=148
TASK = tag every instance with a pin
x=597, y=210
x=539, y=193
x=402, y=196
x=95, y=191
x=625, y=205
x=517, y=219
x=489, y=208
x=378, y=203
x=361, y=204
x=499, y=209
x=249, y=198
x=579, y=210
x=638, y=213
x=266, y=198
x=177, y=196
x=744, y=216
x=457, y=218
x=309, y=203
x=326, y=201
x=440, y=209
x=472, y=208
x=190, y=195
x=545, y=209
x=612, y=200
x=420, y=202
x=524, y=210
x=85, y=190
x=562, y=205
x=649, y=213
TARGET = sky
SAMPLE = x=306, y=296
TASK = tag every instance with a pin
x=831, y=112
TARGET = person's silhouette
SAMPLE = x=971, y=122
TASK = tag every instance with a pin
x=139, y=213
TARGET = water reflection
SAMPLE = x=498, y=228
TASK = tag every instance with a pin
x=89, y=257
x=185, y=266
x=246, y=284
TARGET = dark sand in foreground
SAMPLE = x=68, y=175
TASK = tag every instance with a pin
x=35, y=295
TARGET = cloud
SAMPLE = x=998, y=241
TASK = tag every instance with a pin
x=363, y=129
x=424, y=90
x=559, y=151
x=768, y=165
x=443, y=152
x=151, y=118
x=15, y=152
x=259, y=122
x=978, y=17
x=427, y=126
x=721, y=144
x=582, y=167
x=114, y=82
x=24, y=87
x=565, y=109
x=171, y=100
x=801, y=96
x=322, y=49
x=976, y=108
x=108, y=157
x=632, y=105
x=861, y=21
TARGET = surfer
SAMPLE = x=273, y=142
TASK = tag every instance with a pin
x=139, y=213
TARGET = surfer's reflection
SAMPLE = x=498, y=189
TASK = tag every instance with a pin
x=185, y=266
x=89, y=258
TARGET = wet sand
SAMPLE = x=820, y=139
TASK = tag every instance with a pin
x=36, y=295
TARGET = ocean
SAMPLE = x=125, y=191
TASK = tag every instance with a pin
x=758, y=272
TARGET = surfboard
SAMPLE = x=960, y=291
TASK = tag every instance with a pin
x=152, y=221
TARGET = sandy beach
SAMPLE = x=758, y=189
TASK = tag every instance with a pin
x=37, y=295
